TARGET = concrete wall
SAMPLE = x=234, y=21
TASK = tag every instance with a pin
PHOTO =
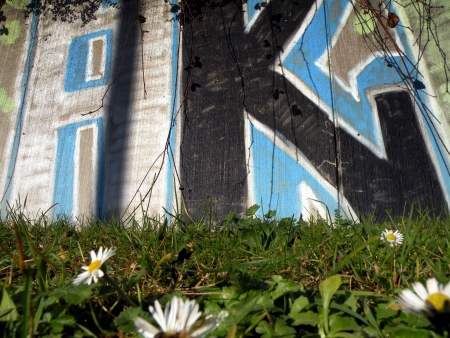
x=291, y=105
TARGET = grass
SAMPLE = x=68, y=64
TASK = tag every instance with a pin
x=270, y=276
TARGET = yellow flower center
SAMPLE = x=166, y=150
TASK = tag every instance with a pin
x=390, y=237
x=94, y=265
x=438, y=302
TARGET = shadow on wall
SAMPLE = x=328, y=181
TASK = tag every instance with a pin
x=71, y=10
x=110, y=131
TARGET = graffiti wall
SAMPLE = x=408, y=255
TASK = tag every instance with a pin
x=310, y=108
x=86, y=128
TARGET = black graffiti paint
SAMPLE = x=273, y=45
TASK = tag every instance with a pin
x=237, y=77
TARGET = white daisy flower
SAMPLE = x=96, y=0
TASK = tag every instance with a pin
x=179, y=318
x=429, y=301
x=393, y=238
x=93, y=270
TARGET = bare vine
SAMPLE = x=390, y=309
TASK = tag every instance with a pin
x=382, y=40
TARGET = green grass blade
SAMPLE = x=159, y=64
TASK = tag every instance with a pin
x=353, y=254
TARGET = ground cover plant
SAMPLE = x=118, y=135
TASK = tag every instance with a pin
x=246, y=276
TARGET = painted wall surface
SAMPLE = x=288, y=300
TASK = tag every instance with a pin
x=303, y=105
x=57, y=153
x=291, y=105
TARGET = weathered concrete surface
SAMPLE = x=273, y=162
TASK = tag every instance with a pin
x=295, y=106
x=329, y=96
x=95, y=163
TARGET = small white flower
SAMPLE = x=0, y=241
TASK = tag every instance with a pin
x=179, y=318
x=93, y=270
x=393, y=238
x=429, y=301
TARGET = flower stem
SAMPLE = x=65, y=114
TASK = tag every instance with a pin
x=94, y=317
x=117, y=287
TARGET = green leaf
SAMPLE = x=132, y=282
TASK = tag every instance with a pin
x=4, y=313
x=349, y=311
x=270, y=214
x=284, y=286
x=265, y=329
x=230, y=218
x=53, y=335
x=342, y=323
x=211, y=308
x=328, y=287
x=64, y=319
x=384, y=313
x=50, y=301
x=305, y=318
x=125, y=320
x=47, y=318
x=42, y=274
x=56, y=328
x=408, y=332
x=283, y=330
x=38, y=314
x=238, y=311
x=57, y=324
x=27, y=304
x=253, y=238
x=252, y=210
x=370, y=317
x=265, y=301
x=344, y=309
x=229, y=295
x=8, y=311
x=351, y=301
x=299, y=304
x=280, y=329
x=86, y=331
x=74, y=294
x=411, y=319
x=277, y=278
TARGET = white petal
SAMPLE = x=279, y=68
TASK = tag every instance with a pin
x=194, y=315
x=182, y=314
x=446, y=290
x=189, y=307
x=145, y=328
x=158, y=315
x=108, y=254
x=171, y=313
x=84, y=267
x=81, y=278
x=100, y=253
x=411, y=300
x=209, y=325
x=93, y=256
x=433, y=286
x=420, y=290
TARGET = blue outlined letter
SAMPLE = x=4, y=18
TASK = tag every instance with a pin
x=88, y=61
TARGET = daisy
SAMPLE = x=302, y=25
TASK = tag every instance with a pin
x=393, y=238
x=430, y=301
x=93, y=270
x=179, y=318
